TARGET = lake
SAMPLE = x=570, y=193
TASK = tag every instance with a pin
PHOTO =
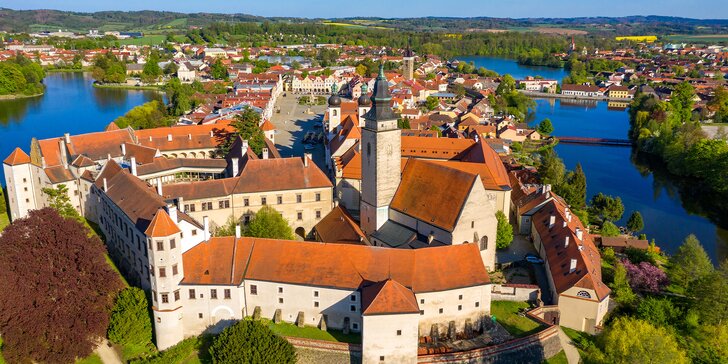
x=70, y=105
x=669, y=213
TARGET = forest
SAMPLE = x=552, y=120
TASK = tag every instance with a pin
x=21, y=77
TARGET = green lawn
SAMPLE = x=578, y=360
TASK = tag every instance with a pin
x=310, y=332
x=506, y=314
x=193, y=350
x=2, y=360
x=91, y=359
x=579, y=338
x=559, y=358
x=145, y=40
x=4, y=221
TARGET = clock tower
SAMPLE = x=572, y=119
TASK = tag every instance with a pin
x=381, y=153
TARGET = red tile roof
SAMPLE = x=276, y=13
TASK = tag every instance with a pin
x=17, y=157
x=280, y=174
x=227, y=261
x=338, y=226
x=267, y=126
x=388, y=297
x=161, y=225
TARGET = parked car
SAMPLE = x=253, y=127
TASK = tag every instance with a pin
x=533, y=258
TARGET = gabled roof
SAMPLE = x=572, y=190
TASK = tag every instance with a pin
x=82, y=161
x=58, y=174
x=338, y=226
x=17, y=157
x=228, y=260
x=161, y=225
x=112, y=126
x=280, y=174
x=388, y=297
x=141, y=154
x=433, y=193
x=267, y=126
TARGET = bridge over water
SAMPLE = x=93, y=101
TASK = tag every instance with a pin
x=594, y=141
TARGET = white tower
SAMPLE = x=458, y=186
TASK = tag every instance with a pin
x=381, y=158
x=164, y=242
x=21, y=184
x=364, y=103
x=334, y=109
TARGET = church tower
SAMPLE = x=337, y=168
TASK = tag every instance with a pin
x=408, y=64
x=381, y=158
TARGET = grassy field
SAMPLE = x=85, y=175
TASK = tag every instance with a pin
x=92, y=359
x=310, y=332
x=349, y=25
x=578, y=338
x=153, y=39
x=4, y=221
x=506, y=314
x=559, y=358
x=703, y=38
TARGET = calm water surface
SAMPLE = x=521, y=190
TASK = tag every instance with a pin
x=69, y=105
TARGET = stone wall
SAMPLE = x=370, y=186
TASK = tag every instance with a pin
x=324, y=352
x=515, y=292
x=534, y=348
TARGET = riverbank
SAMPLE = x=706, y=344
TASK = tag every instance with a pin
x=68, y=70
x=123, y=86
x=19, y=97
x=572, y=97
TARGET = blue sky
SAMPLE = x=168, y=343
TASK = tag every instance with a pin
x=400, y=8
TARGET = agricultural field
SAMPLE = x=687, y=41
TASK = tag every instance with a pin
x=360, y=24
x=699, y=38
x=638, y=38
x=152, y=39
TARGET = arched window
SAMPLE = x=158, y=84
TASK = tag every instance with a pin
x=334, y=111
x=484, y=243
x=583, y=294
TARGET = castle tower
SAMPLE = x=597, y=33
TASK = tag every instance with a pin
x=334, y=108
x=408, y=64
x=364, y=102
x=381, y=158
x=21, y=184
x=164, y=240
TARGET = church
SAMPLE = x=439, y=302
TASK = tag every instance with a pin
x=413, y=192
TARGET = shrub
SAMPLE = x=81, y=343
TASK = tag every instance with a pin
x=645, y=277
x=251, y=341
x=130, y=321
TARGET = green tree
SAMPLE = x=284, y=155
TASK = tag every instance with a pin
x=269, y=223
x=151, y=70
x=152, y=114
x=170, y=69
x=576, y=195
x=228, y=229
x=659, y=311
x=504, y=235
x=629, y=340
x=246, y=126
x=552, y=168
x=711, y=302
x=403, y=123
x=130, y=323
x=635, y=223
x=436, y=128
x=218, y=71
x=681, y=102
x=609, y=229
x=59, y=201
x=603, y=207
x=689, y=264
x=249, y=341
x=620, y=287
x=545, y=127
x=431, y=103
x=506, y=86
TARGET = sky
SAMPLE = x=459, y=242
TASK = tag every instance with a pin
x=702, y=9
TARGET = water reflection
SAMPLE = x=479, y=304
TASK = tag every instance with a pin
x=13, y=111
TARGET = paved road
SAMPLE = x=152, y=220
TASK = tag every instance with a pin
x=572, y=354
x=292, y=124
x=108, y=354
x=516, y=251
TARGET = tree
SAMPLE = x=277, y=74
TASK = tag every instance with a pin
x=506, y=86
x=630, y=340
x=609, y=229
x=711, y=302
x=504, y=235
x=246, y=126
x=361, y=70
x=689, y=264
x=59, y=201
x=170, y=69
x=151, y=70
x=130, y=323
x=249, y=341
x=645, y=277
x=603, y=207
x=269, y=223
x=403, y=123
x=576, y=196
x=431, y=103
x=228, y=229
x=218, y=70
x=681, y=102
x=552, y=168
x=545, y=127
x=622, y=290
x=659, y=311
x=436, y=129
x=62, y=289
x=635, y=223
x=152, y=114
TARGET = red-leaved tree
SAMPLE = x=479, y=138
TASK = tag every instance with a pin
x=645, y=277
x=56, y=289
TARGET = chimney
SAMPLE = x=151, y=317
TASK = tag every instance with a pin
x=211, y=134
x=235, y=166
x=150, y=138
x=123, y=149
x=181, y=203
x=169, y=137
x=552, y=221
x=579, y=234
x=430, y=238
x=206, y=227
x=265, y=153
x=64, y=153
x=189, y=136
x=67, y=137
x=159, y=187
x=244, y=148
x=572, y=266
x=108, y=156
x=42, y=162
x=237, y=232
x=133, y=165
x=566, y=242
x=306, y=158
x=568, y=214
x=106, y=185
x=172, y=212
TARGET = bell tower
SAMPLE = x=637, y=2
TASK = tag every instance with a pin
x=408, y=64
x=381, y=157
